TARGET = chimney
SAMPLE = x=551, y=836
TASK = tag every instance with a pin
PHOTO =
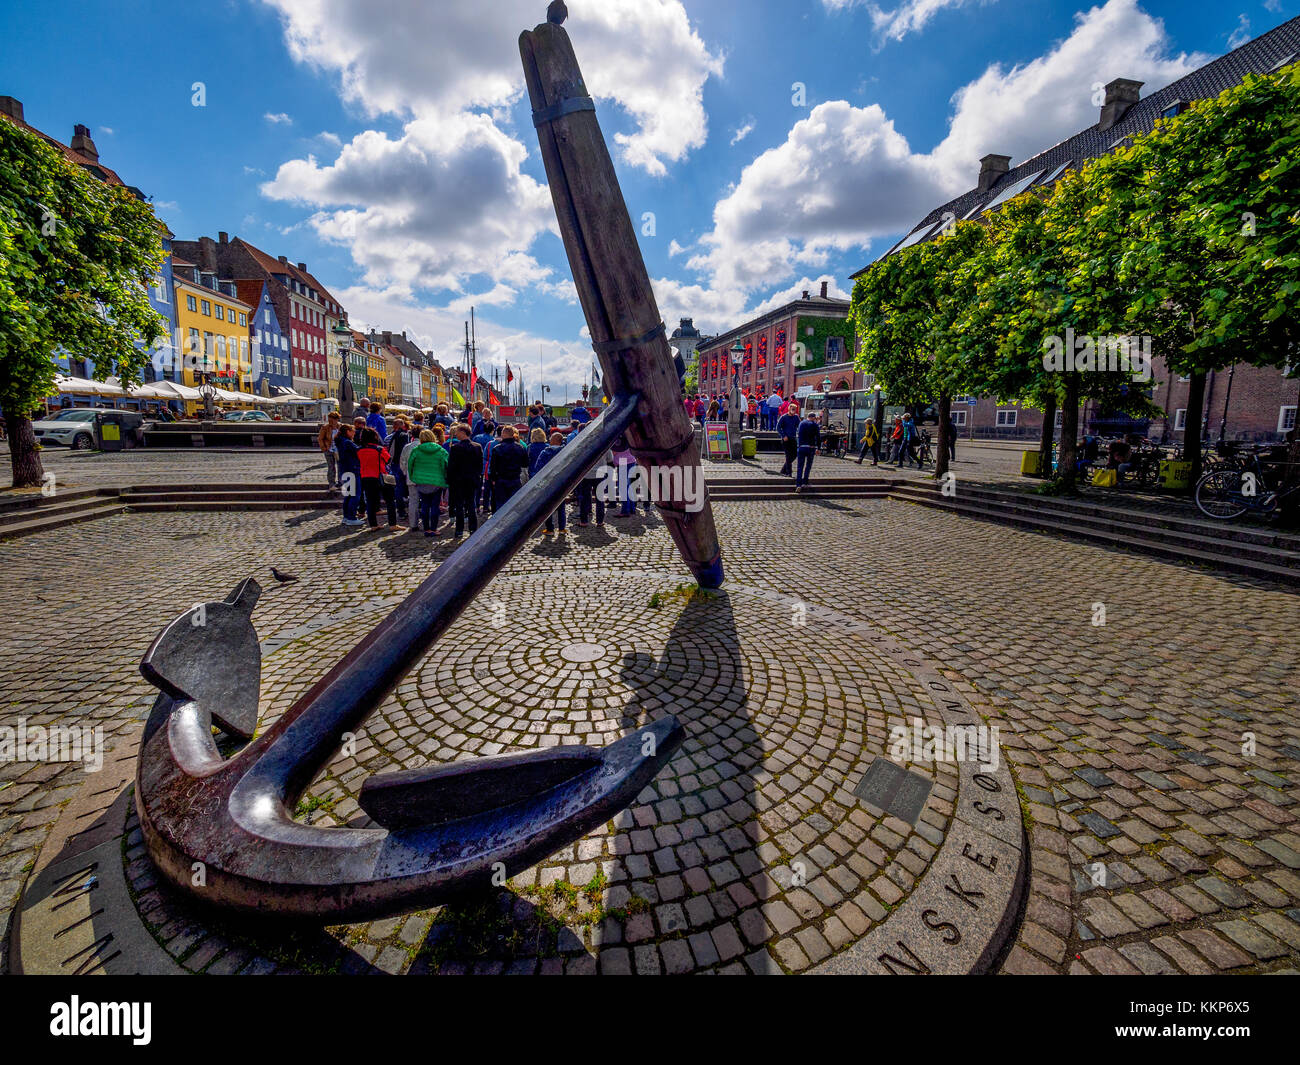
x=223, y=238
x=82, y=143
x=11, y=107
x=824, y=286
x=1121, y=94
x=284, y=260
x=992, y=167
x=302, y=267
x=403, y=334
x=806, y=295
x=388, y=336
x=207, y=255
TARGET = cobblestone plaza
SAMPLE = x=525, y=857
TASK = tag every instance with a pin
x=1140, y=817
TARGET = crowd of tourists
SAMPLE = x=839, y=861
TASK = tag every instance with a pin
x=414, y=471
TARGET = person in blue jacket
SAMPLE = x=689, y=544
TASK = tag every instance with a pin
x=787, y=428
x=809, y=439
x=349, y=474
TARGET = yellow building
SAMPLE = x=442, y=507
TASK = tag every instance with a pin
x=376, y=375
x=213, y=333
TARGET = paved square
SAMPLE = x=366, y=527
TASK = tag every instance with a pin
x=1157, y=837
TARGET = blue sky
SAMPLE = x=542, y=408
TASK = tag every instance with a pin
x=387, y=142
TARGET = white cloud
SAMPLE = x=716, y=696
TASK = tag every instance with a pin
x=442, y=202
x=910, y=16
x=1241, y=34
x=332, y=139
x=106, y=130
x=743, y=131
x=414, y=58
x=279, y=118
x=674, y=249
x=845, y=176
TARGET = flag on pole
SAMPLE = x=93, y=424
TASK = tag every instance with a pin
x=510, y=374
x=459, y=399
x=473, y=381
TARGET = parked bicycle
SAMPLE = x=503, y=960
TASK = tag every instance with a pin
x=1228, y=492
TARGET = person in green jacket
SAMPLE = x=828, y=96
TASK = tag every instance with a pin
x=427, y=471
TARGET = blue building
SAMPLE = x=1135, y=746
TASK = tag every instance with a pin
x=268, y=343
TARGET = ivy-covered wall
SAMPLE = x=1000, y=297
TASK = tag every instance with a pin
x=823, y=328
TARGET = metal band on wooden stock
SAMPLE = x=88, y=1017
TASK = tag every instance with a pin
x=619, y=344
x=565, y=107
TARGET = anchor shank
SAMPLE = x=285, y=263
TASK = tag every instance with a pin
x=613, y=285
x=287, y=757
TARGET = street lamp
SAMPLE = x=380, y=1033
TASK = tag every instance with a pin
x=343, y=339
x=733, y=407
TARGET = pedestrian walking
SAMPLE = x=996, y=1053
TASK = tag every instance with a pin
x=509, y=459
x=624, y=463
x=787, y=429
x=870, y=442
x=325, y=441
x=464, y=475
x=376, y=481
x=428, y=473
x=809, y=439
x=376, y=420
x=952, y=438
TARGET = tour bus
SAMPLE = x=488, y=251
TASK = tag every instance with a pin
x=848, y=410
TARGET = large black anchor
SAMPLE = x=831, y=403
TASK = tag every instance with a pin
x=222, y=829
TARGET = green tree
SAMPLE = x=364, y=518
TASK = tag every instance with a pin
x=906, y=309
x=75, y=256
x=1213, y=248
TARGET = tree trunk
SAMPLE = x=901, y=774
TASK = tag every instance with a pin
x=945, y=433
x=1066, y=469
x=1192, y=427
x=1045, y=439
x=24, y=456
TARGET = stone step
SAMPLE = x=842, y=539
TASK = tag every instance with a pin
x=54, y=507
x=11, y=502
x=1115, y=535
x=39, y=522
x=135, y=496
x=1200, y=536
x=1190, y=523
x=231, y=505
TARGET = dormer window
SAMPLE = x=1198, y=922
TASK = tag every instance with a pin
x=1174, y=109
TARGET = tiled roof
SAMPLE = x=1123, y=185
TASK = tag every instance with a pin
x=1257, y=56
x=101, y=171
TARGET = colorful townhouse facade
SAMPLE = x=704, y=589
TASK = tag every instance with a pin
x=213, y=326
x=305, y=310
x=268, y=342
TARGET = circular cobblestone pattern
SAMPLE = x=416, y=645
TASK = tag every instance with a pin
x=748, y=852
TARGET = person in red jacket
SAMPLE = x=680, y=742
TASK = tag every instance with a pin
x=375, y=461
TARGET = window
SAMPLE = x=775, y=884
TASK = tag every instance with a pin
x=221, y=313
x=160, y=288
x=243, y=318
x=194, y=340
x=1007, y=419
x=1286, y=419
x=834, y=349
x=207, y=343
x=1180, y=419
x=191, y=304
x=959, y=417
x=1283, y=62
x=207, y=308
x=1174, y=109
